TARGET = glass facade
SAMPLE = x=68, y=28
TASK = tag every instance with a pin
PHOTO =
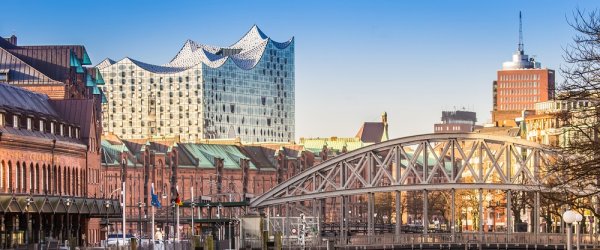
x=244, y=91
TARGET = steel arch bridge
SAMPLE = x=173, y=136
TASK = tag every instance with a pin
x=427, y=162
x=461, y=166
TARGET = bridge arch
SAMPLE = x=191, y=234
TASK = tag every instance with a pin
x=427, y=162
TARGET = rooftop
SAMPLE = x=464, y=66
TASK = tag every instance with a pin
x=245, y=54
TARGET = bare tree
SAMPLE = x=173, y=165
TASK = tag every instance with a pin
x=577, y=172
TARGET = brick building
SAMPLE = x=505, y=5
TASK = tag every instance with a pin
x=520, y=83
x=49, y=146
x=222, y=171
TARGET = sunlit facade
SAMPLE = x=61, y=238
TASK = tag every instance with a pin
x=242, y=91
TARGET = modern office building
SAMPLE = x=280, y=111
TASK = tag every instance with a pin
x=242, y=91
x=520, y=83
x=458, y=121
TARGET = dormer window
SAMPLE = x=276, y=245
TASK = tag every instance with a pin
x=77, y=133
x=1, y=119
x=15, y=121
x=4, y=74
x=70, y=129
x=23, y=122
x=29, y=123
x=41, y=126
x=62, y=130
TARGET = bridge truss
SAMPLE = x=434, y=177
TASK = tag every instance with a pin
x=435, y=182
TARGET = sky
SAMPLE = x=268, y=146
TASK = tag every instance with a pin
x=354, y=59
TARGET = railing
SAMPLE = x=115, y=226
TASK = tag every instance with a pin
x=407, y=239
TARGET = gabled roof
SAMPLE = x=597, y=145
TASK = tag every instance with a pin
x=53, y=62
x=261, y=156
x=206, y=154
x=371, y=132
x=21, y=71
x=78, y=111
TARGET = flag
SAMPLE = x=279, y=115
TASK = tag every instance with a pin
x=178, y=200
x=155, y=202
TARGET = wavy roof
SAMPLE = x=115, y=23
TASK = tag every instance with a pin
x=245, y=53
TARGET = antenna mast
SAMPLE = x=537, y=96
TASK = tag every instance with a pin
x=520, y=33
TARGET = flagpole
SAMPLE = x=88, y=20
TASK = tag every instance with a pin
x=152, y=205
x=124, y=207
x=177, y=225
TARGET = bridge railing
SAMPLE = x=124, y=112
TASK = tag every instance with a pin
x=501, y=239
x=473, y=238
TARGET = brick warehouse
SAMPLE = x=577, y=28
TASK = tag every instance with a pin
x=49, y=146
x=222, y=170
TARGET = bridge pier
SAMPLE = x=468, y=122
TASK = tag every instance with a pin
x=398, y=214
x=370, y=211
x=425, y=219
x=452, y=216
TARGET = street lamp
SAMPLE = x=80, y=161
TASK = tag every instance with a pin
x=489, y=198
x=569, y=217
x=29, y=200
x=107, y=205
x=166, y=227
x=578, y=218
x=68, y=204
x=140, y=205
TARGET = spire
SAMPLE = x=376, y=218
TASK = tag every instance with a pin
x=521, y=49
x=384, y=120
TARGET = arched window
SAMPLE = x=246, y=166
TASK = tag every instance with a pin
x=36, y=183
x=23, y=177
x=65, y=186
x=43, y=181
x=10, y=183
x=56, y=179
x=31, y=177
x=2, y=173
x=18, y=178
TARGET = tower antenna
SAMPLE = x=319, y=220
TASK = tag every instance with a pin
x=520, y=32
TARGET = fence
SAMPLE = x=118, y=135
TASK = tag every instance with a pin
x=500, y=239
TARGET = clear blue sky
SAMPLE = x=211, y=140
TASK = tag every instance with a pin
x=354, y=59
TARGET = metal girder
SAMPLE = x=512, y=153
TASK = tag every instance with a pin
x=422, y=162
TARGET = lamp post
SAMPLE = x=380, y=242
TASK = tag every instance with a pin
x=193, y=205
x=173, y=222
x=569, y=217
x=107, y=205
x=29, y=200
x=578, y=218
x=140, y=205
x=68, y=204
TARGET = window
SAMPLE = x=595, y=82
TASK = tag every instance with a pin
x=15, y=122
x=4, y=75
